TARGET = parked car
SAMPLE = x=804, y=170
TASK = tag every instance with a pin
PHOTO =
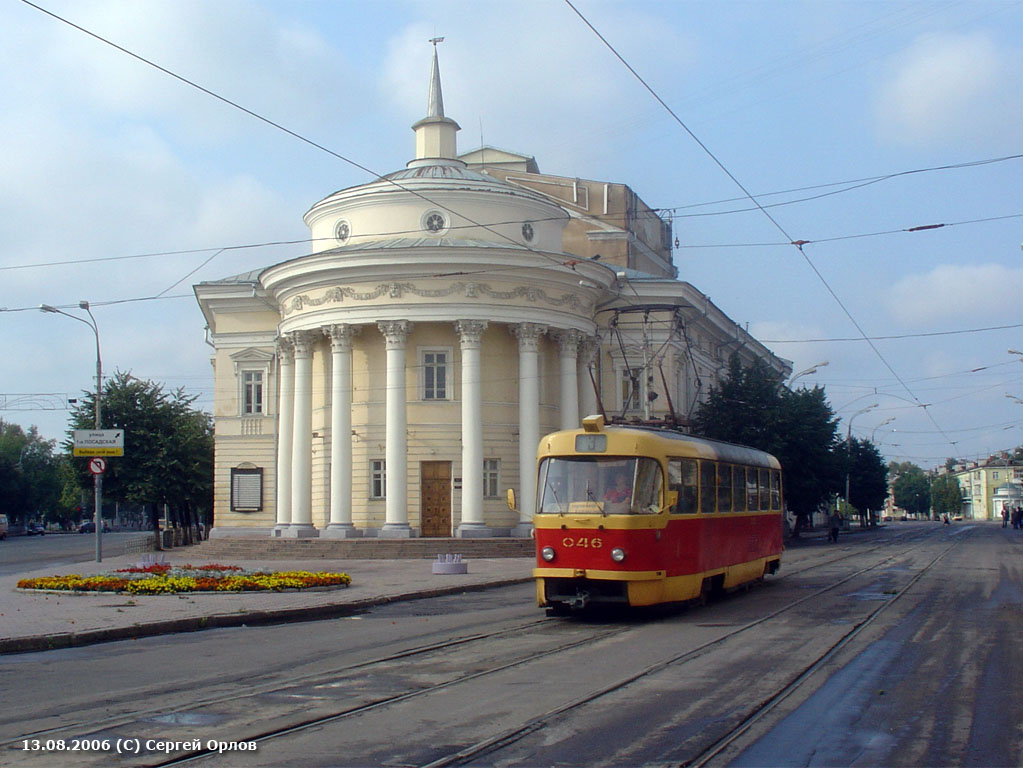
x=90, y=527
x=3, y=526
x=35, y=529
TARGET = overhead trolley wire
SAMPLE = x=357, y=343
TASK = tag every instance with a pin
x=793, y=241
x=294, y=134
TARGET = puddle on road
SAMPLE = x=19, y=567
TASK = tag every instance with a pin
x=187, y=718
x=870, y=595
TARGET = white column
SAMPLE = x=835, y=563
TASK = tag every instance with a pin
x=529, y=421
x=396, y=511
x=568, y=353
x=472, y=526
x=302, y=445
x=340, y=525
x=587, y=394
x=285, y=414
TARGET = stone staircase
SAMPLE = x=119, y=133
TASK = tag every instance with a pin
x=359, y=549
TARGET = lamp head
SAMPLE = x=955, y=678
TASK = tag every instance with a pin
x=47, y=308
x=83, y=305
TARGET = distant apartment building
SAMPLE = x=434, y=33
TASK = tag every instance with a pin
x=988, y=486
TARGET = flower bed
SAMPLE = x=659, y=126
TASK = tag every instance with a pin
x=165, y=579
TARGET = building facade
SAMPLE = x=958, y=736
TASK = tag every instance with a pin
x=395, y=381
x=988, y=486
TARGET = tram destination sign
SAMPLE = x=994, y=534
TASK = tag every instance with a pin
x=98, y=442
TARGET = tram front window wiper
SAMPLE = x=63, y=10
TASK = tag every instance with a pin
x=600, y=504
x=561, y=508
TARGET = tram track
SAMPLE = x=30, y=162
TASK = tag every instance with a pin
x=510, y=736
x=328, y=678
x=726, y=741
x=254, y=690
x=535, y=724
x=433, y=651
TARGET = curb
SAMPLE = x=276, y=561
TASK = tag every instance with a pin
x=219, y=621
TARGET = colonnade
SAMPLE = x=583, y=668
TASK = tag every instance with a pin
x=295, y=435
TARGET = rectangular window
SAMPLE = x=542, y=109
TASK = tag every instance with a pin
x=435, y=375
x=752, y=496
x=631, y=388
x=683, y=479
x=775, y=489
x=252, y=383
x=246, y=489
x=377, y=479
x=739, y=489
x=765, y=490
x=725, y=488
x=491, y=478
x=708, y=486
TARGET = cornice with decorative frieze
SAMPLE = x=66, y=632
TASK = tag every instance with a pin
x=468, y=290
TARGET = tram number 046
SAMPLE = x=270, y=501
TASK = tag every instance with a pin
x=582, y=542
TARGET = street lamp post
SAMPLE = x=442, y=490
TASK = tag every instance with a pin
x=812, y=369
x=97, y=479
x=848, y=447
x=889, y=420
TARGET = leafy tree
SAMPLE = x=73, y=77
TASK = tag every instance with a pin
x=868, y=478
x=751, y=406
x=168, y=448
x=946, y=496
x=29, y=487
x=912, y=487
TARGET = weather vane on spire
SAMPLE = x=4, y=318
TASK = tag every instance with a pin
x=436, y=40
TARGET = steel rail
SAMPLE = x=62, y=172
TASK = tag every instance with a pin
x=534, y=724
x=763, y=710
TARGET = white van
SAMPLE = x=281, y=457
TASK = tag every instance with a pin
x=3, y=526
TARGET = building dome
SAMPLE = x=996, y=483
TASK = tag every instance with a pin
x=436, y=195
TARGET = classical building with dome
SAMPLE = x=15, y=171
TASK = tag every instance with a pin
x=395, y=381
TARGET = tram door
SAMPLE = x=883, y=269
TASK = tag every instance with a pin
x=435, y=498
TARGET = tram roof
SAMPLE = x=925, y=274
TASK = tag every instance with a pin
x=724, y=451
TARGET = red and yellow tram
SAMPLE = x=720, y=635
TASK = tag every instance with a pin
x=640, y=516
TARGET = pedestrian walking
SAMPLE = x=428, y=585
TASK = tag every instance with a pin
x=1005, y=515
x=834, y=525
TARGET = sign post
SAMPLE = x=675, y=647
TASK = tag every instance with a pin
x=98, y=443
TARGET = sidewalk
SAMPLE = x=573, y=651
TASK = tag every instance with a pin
x=34, y=621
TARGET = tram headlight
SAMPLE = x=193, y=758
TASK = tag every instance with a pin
x=547, y=553
x=618, y=554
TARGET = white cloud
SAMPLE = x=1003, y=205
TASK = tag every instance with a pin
x=547, y=86
x=987, y=293
x=950, y=87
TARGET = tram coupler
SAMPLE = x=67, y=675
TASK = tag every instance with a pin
x=580, y=601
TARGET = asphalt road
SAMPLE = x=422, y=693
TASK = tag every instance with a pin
x=888, y=649
x=25, y=553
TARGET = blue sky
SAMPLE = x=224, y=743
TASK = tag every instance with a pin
x=107, y=159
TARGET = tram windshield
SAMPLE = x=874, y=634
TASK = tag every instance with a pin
x=602, y=485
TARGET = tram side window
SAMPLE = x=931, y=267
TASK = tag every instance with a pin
x=683, y=478
x=708, y=485
x=739, y=489
x=765, y=489
x=775, y=489
x=752, y=497
x=724, y=488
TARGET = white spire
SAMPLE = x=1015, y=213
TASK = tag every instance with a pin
x=435, y=133
x=435, y=104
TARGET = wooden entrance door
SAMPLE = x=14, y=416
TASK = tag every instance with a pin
x=435, y=498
